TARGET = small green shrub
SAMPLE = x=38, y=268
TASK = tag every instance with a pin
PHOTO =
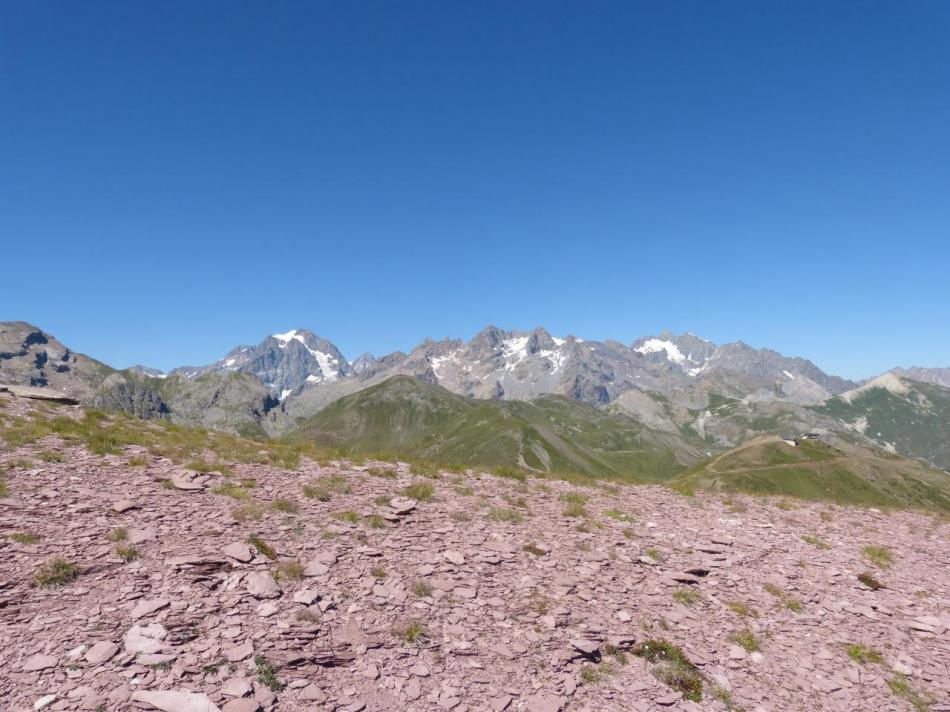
x=375, y=521
x=229, y=490
x=347, y=516
x=674, y=668
x=784, y=598
x=266, y=674
x=23, y=538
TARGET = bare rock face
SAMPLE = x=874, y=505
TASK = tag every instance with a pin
x=174, y=701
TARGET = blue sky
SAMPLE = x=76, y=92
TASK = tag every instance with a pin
x=177, y=178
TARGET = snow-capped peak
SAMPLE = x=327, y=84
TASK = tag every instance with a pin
x=653, y=346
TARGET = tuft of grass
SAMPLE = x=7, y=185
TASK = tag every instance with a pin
x=686, y=596
x=421, y=589
x=248, y=512
x=815, y=541
x=461, y=516
x=375, y=521
x=50, y=456
x=786, y=600
x=500, y=514
x=383, y=472
x=419, y=490
x=901, y=687
x=575, y=509
x=425, y=469
x=266, y=674
x=127, y=552
x=347, y=516
x=137, y=461
x=674, y=668
x=229, y=490
x=118, y=534
x=305, y=615
x=262, y=546
x=880, y=556
x=202, y=465
x=287, y=506
x=318, y=493
x=746, y=639
x=412, y=633
x=863, y=654
x=55, y=572
x=741, y=609
x=869, y=581
x=618, y=515
x=4, y=490
x=290, y=570
x=592, y=674
x=23, y=538
x=378, y=572
x=654, y=554
x=534, y=549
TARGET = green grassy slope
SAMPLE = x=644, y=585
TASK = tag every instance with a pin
x=917, y=423
x=415, y=420
x=819, y=471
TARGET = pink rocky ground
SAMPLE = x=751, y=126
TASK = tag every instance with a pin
x=504, y=628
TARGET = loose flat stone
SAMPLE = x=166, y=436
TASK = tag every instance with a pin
x=39, y=662
x=239, y=552
x=545, y=703
x=101, y=652
x=262, y=585
x=175, y=701
x=44, y=702
x=455, y=557
x=123, y=505
x=236, y=687
x=146, y=607
x=316, y=568
x=241, y=705
x=307, y=597
x=402, y=505
x=241, y=652
x=587, y=647
x=145, y=639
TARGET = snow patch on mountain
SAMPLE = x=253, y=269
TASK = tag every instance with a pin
x=653, y=346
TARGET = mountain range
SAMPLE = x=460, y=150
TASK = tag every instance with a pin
x=692, y=395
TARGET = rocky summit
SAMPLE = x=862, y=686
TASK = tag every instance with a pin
x=145, y=567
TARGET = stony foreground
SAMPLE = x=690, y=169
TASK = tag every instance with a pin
x=493, y=594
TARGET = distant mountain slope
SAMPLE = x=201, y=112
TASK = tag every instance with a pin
x=31, y=357
x=820, y=471
x=282, y=362
x=910, y=417
x=936, y=376
x=409, y=418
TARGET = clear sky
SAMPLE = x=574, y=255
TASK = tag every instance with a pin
x=177, y=178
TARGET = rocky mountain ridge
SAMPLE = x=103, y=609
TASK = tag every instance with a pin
x=722, y=395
